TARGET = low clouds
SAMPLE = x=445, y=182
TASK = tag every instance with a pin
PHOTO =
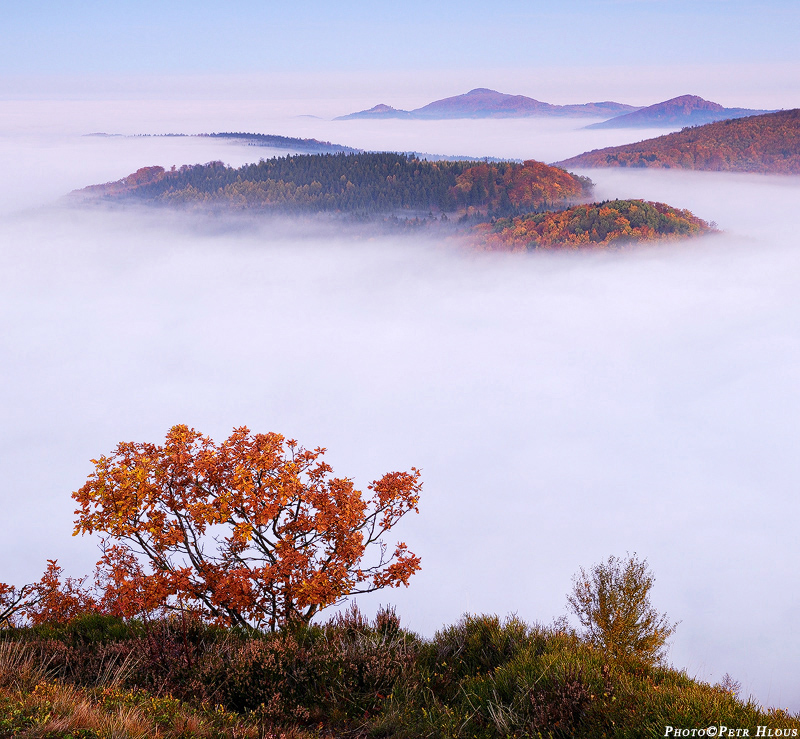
x=562, y=407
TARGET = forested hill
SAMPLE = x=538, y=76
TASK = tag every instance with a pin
x=612, y=223
x=272, y=141
x=523, y=206
x=767, y=144
x=369, y=183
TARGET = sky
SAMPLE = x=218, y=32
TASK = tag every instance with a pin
x=190, y=37
x=623, y=47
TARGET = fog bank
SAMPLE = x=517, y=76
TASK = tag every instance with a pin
x=562, y=407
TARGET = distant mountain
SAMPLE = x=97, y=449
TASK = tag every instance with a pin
x=379, y=111
x=686, y=110
x=768, y=144
x=484, y=103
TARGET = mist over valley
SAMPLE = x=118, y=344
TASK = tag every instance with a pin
x=562, y=406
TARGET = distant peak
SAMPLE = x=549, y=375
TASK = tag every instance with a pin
x=692, y=102
x=382, y=108
x=483, y=90
x=687, y=99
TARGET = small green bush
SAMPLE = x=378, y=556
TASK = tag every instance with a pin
x=477, y=644
x=612, y=603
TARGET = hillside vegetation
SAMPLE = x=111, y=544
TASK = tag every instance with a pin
x=767, y=144
x=369, y=183
x=181, y=633
x=517, y=206
x=611, y=223
x=480, y=678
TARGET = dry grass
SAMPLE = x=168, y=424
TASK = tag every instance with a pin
x=54, y=709
x=21, y=666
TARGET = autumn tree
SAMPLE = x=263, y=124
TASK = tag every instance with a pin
x=612, y=603
x=255, y=531
x=53, y=599
x=13, y=602
x=59, y=599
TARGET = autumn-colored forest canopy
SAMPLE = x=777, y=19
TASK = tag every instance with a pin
x=520, y=206
x=765, y=144
x=369, y=183
x=612, y=223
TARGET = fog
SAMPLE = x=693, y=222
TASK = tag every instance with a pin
x=562, y=407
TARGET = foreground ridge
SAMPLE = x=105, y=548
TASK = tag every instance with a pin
x=482, y=677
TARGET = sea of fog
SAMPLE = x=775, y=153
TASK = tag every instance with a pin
x=562, y=406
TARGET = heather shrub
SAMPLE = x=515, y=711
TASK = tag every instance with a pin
x=159, y=656
x=273, y=675
x=362, y=663
x=344, y=669
x=89, y=628
x=492, y=678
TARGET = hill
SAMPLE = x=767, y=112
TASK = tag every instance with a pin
x=767, y=144
x=518, y=207
x=613, y=223
x=367, y=183
x=686, y=110
x=271, y=141
x=378, y=111
x=484, y=103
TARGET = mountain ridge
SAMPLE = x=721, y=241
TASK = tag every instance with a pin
x=483, y=102
x=684, y=110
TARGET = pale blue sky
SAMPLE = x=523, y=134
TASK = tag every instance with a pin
x=42, y=37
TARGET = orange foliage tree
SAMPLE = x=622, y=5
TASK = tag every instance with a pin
x=55, y=601
x=13, y=602
x=254, y=531
x=49, y=600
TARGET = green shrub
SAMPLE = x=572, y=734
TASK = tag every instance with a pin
x=612, y=603
x=474, y=646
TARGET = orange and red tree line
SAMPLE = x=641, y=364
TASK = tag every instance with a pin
x=253, y=532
